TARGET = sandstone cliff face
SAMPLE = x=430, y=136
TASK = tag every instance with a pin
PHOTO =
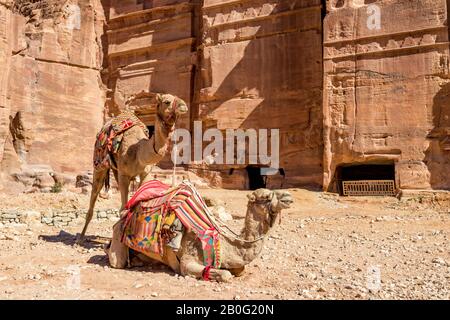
x=51, y=95
x=239, y=64
x=261, y=64
x=386, y=89
x=343, y=85
x=150, y=50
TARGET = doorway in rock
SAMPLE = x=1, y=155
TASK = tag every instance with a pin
x=255, y=179
x=366, y=179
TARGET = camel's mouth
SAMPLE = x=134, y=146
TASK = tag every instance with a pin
x=181, y=109
x=286, y=200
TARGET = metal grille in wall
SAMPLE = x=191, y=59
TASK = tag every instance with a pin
x=369, y=188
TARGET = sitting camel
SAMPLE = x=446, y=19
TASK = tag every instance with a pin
x=236, y=251
x=137, y=153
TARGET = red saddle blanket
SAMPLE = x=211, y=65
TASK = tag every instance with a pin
x=153, y=205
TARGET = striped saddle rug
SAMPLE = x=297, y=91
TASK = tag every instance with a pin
x=154, y=207
x=109, y=138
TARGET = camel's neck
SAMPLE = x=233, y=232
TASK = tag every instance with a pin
x=162, y=136
x=253, y=230
x=158, y=144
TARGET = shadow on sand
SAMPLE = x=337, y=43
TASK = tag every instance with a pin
x=70, y=240
x=95, y=242
x=148, y=266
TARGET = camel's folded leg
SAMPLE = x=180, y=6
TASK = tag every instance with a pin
x=237, y=272
x=117, y=252
x=195, y=269
x=170, y=259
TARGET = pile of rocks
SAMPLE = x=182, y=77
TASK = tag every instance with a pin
x=66, y=217
x=58, y=218
x=16, y=216
x=42, y=178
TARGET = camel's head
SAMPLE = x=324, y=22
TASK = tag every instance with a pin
x=267, y=205
x=170, y=108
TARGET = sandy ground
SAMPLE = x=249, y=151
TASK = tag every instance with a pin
x=326, y=247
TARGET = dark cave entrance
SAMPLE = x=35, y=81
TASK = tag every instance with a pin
x=255, y=179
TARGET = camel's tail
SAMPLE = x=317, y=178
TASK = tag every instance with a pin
x=107, y=180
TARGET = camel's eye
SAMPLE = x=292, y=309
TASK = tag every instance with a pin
x=167, y=102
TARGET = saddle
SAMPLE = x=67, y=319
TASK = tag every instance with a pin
x=158, y=216
x=109, y=139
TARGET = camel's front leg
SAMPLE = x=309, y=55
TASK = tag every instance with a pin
x=145, y=175
x=195, y=269
x=124, y=185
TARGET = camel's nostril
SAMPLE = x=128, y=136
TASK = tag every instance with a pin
x=287, y=201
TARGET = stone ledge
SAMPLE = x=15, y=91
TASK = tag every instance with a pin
x=54, y=217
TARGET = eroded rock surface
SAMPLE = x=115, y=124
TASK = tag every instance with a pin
x=386, y=94
x=346, y=81
x=51, y=93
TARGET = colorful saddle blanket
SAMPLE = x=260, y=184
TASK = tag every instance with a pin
x=109, y=138
x=147, y=215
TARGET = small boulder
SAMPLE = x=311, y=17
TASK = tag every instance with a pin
x=31, y=190
x=212, y=202
x=84, y=180
x=64, y=179
x=44, y=181
x=86, y=190
x=30, y=217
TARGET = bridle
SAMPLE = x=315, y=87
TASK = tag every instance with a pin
x=233, y=235
x=167, y=127
x=268, y=204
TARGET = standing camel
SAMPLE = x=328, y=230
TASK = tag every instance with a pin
x=138, y=153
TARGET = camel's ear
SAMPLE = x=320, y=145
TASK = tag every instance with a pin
x=159, y=98
x=251, y=197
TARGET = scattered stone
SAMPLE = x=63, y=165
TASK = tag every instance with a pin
x=47, y=220
x=64, y=179
x=84, y=180
x=13, y=238
x=34, y=277
x=439, y=261
x=311, y=276
x=212, y=202
x=86, y=190
x=349, y=287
